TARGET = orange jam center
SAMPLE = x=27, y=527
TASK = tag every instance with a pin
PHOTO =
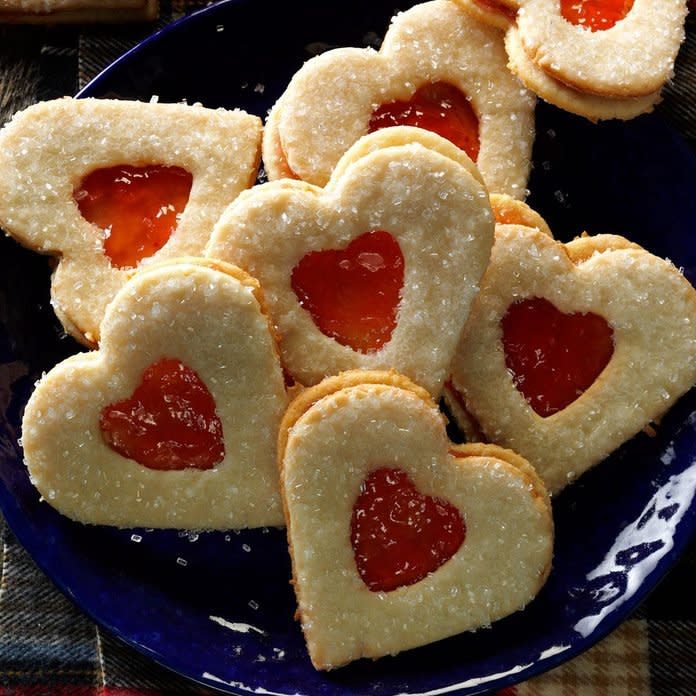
x=400, y=535
x=138, y=207
x=438, y=107
x=554, y=357
x=595, y=15
x=169, y=423
x=353, y=294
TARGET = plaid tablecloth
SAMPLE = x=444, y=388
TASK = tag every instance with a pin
x=47, y=646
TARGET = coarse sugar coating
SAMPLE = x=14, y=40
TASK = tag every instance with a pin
x=633, y=58
x=330, y=101
x=435, y=212
x=47, y=150
x=207, y=317
x=591, y=106
x=650, y=309
x=332, y=449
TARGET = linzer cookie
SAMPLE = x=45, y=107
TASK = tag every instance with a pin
x=173, y=421
x=375, y=271
x=398, y=538
x=602, y=59
x=108, y=186
x=612, y=48
x=571, y=349
x=438, y=69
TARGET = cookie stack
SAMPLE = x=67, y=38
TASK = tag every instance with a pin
x=274, y=354
x=600, y=60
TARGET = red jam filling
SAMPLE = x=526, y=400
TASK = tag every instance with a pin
x=353, y=293
x=400, y=535
x=138, y=207
x=554, y=357
x=169, y=423
x=595, y=15
x=438, y=107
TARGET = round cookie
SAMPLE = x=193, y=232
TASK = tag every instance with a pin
x=633, y=58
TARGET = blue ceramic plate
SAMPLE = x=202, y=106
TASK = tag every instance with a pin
x=217, y=607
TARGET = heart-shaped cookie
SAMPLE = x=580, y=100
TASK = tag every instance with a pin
x=571, y=349
x=398, y=537
x=438, y=68
x=108, y=186
x=172, y=422
x=616, y=49
x=375, y=271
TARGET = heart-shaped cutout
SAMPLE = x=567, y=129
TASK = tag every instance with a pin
x=169, y=423
x=397, y=537
x=554, y=357
x=595, y=15
x=138, y=207
x=353, y=294
x=172, y=422
x=400, y=535
x=438, y=107
x=565, y=380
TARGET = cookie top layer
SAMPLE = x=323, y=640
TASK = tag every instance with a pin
x=46, y=152
x=326, y=108
x=199, y=326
